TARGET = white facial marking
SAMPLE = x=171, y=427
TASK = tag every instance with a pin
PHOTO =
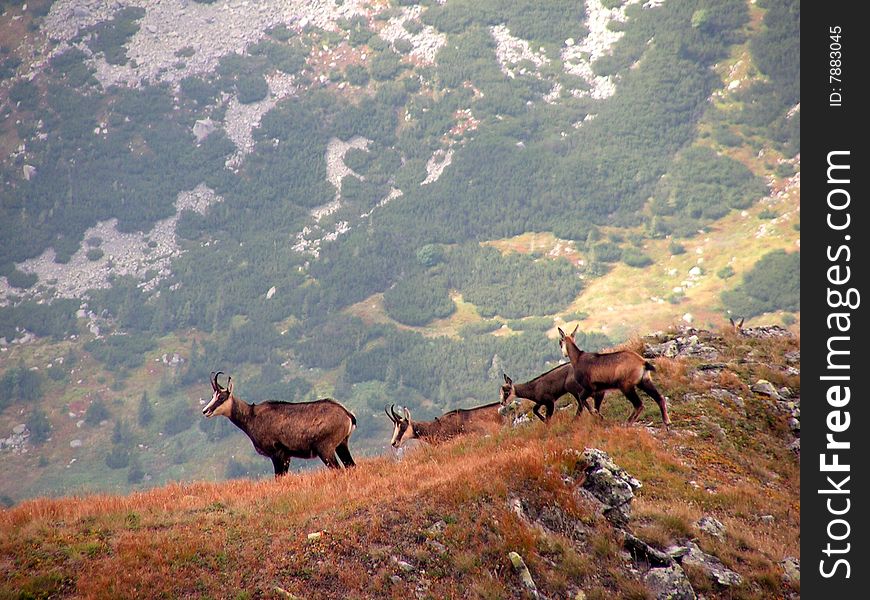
x=206, y=410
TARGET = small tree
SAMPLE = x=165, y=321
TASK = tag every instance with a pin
x=39, y=426
x=97, y=412
x=146, y=412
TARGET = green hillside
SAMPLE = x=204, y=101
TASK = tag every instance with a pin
x=376, y=201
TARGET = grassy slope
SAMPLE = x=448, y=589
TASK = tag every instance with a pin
x=243, y=538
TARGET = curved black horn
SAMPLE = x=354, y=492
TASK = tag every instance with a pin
x=386, y=412
x=217, y=386
x=211, y=380
x=396, y=416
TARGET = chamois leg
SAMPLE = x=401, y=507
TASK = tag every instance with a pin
x=328, y=459
x=280, y=465
x=549, y=407
x=536, y=410
x=647, y=385
x=582, y=403
x=599, y=398
x=344, y=454
x=635, y=400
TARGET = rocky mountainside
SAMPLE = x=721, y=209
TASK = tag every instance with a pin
x=379, y=201
x=574, y=509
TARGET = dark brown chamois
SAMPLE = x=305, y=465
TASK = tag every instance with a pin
x=285, y=430
x=456, y=422
x=545, y=389
x=623, y=370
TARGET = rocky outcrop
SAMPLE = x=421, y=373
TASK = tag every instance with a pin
x=669, y=583
x=608, y=484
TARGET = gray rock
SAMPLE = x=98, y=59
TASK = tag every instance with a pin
x=712, y=526
x=794, y=425
x=795, y=446
x=791, y=569
x=203, y=128
x=711, y=565
x=768, y=331
x=766, y=519
x=608, y=483
x=438, y=547
x=522, y=570
x=28, y=171
x=764, y=387
x=405, y=566
x=75, y=444
x=641, y=551
x=19, y=429
x=669, y=583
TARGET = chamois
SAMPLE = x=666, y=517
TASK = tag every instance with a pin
x=284, y=430
x=736, y=326
x=545, y=389
x=623, y=370
x=448, y=425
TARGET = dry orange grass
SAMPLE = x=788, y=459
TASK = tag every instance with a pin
x=247, y=537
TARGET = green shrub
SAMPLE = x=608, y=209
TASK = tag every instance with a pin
x=772, y=284
x=38, y=426
x=252, y=88
x=636, y=258
x=403, y=46
x=357, y=75
x=676, y=248
x=479, y=327
x=725, y=272
x=531, y=324
x=94, y=254
x=97, y=412
x=419, y=299
x=606, y=252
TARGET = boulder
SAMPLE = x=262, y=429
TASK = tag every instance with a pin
x=669, y=583
x=791, y=569
x=711, y=565
x=712, y=526
x=765, y=388
x=522, y=570
x=609, y=484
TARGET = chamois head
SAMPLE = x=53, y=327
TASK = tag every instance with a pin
x=562, y=337
x=508, y=391
x=218, y=404
x=738, y=325
x=403, y=430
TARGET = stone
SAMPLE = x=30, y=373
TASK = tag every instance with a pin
x=795, y=446
x=438, y=547
x=271, y=292
x=75, y=444
x=28, y=171
x=669, y=583
x=203, y=128
x=765, y=388
x=405, y=566
x=791, y=569
x=641, y=551
x=19, y=429
x=794, y=425
x=711, y=526
x=522, y=570
x=608, y=483
x=711, y=565
x=767, y=519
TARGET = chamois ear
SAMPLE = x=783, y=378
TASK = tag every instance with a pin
x=730, y=320
x=407, y=414
x=561, y=333
x=507, y=379
x=576, y=327
x=230, y=385
x=740, y=323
